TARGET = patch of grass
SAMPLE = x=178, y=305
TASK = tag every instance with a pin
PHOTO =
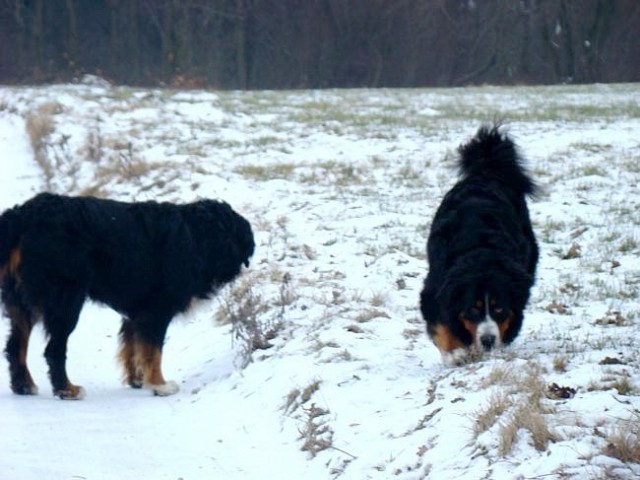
x=243, y=307
x=309, y=390
x=408, y=246
x=413, y=335
x=608, y=288
x=265, y=141
x=592, y=148
x=409, y=175
x=369, y=314
x=628, y=244
x=378, y=299
x=498, y=403
x=613, y=379
x=518, y=407
x=560, y=363
x=280, y=171
x=298, y=397
x=623, y=442
x=337, y=173
x=40, y=125
x=623, y=386
x=525, y=419
x=94, y=148
x=287, y=293
x=315, y=433
x=550, y=229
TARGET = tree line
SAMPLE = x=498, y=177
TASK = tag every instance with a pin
x=276, y=44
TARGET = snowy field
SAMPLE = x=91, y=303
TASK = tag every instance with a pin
x=340, y=187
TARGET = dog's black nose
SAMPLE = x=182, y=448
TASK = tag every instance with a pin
x=488, y=341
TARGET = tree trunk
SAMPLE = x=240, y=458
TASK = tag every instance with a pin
x=567, y=36
x=20, y=41
x=72, y=39
x=240, y=42
x=38, y=41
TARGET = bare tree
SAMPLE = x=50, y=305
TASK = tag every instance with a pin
x=320, y=43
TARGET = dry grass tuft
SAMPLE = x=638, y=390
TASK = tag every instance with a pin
x=519, y=408
x=369, y=314
x=286, y=294
x=618, y=380
x=560, y=363
x=308, y=392
x=243, y=307
x=527, y=419
x=298, y=397
x=255, y=319
x=624, y=442
x=316, y=433
x=498, y=404
x=40, y=126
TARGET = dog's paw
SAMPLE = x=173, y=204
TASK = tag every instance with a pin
x=73, y=392
x=168, y=388
x=456, y=357
x=24, y=389
x=135, y=382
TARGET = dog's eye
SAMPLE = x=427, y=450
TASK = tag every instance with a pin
x=498, y=310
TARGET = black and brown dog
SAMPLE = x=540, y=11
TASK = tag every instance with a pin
x=145, y=260
x=482, y=251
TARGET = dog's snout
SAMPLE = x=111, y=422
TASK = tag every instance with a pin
x=488, y=342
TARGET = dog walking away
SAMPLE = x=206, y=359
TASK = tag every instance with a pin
x=145, y=260
x=481, y=250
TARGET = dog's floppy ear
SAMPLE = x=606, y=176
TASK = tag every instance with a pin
x=450, y=296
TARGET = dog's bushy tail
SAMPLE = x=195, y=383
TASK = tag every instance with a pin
x=9, y=234
x=491, y=153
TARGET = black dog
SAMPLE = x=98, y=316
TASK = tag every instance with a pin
x=482, y=251
x=146, y=260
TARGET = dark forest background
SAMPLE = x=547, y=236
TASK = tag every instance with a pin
x=274, y=44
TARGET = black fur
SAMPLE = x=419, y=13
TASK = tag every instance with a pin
x=145, y=260
x=481, y=244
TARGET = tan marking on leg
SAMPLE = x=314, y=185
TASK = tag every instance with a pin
x=25, y=328
x=125, y=356
x=444, y=339
x=470, y=327
x=22, y=360
x=151, y=360
x=15, y=259
x=504, y=326
x=11, y=267
x=131, y=362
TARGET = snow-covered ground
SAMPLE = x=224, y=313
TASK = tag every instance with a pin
x=340, y=187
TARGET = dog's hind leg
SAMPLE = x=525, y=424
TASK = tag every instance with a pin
x=16, y=351
x=148, y=341
x=151, y=360
x=129, y=358
x=22, y=321
x=59, y=323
